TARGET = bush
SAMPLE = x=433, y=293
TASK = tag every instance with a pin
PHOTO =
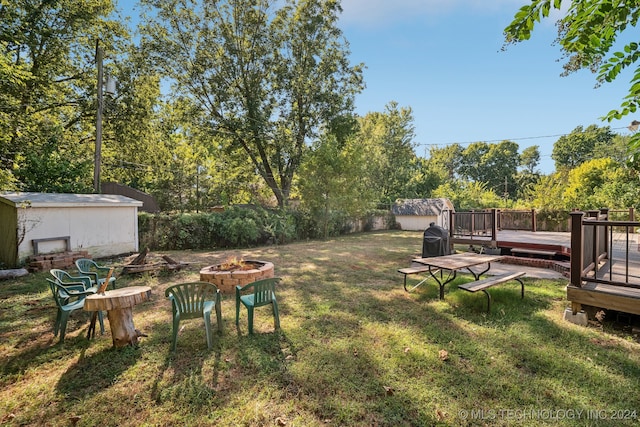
x=242, y=227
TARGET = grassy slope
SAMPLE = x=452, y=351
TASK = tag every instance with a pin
x=354, y=349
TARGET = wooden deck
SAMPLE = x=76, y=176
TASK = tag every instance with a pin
x=604, y=266
x=603, y=295
x=560, y=244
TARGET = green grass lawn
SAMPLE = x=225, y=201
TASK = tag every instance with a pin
x=354, y=350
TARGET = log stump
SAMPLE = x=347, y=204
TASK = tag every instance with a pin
x=119, y=305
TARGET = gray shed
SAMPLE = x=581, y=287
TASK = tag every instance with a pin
x=417, y=214
x=35, y=223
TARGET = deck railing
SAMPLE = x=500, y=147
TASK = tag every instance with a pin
x=593, y=258
x=517, y=220
x=473, y=227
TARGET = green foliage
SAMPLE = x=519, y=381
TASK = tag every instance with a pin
x=467, y=195
x=47, y=89
x=547, y=193
x=387, y=139
x=587, y=33
x=530, y=158
x=587, y=185
x=446, y=160
x=581, y=145
x=239, y=231
x=54, y=169
x=333, y=179
x=266, y=75
x=246, y=227
x=491, y=164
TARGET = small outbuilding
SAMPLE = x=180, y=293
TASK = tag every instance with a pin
x=36, y=223
x=418, y=214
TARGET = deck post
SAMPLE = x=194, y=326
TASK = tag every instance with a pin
x=577, y=236
x=452, y=225
x=595, y=214
x=534, y=225
x=494, y=224
x=605, y=212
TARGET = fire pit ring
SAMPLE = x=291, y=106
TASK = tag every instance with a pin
x=227, y=281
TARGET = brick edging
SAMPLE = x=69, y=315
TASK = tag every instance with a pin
x=559, y=266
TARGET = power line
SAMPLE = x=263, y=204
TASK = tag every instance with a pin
x=505, y=139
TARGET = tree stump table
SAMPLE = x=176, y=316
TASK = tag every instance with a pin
x=119, y=306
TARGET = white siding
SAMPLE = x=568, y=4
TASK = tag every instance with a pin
x=415, y=223
x=100, y=231
x=102, y=224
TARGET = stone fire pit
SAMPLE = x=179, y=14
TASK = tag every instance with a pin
x=226, y=280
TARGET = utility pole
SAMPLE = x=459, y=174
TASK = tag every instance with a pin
x=506, y=192
x=98, y=154
x=110, y=90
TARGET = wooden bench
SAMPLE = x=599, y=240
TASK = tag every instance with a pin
x=484, y=284
x=414, y=270
x=66, y=239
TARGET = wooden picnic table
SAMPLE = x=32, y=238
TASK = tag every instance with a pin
x=451, y=264
x=119, y=305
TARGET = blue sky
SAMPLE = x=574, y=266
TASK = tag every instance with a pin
x=443, y=59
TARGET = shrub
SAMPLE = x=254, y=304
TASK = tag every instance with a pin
x=242, y=227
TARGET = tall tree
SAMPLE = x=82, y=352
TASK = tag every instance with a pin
x=46, y=90
x=492, y=164
x=588, y=32
x=333, y=179
x=268, y=78
x=530, y=159
x=529, y=174
x=579, y=146
x=447, y=159
x=388, y=139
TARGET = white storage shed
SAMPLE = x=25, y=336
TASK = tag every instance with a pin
x=418, y=214
x=37, y=223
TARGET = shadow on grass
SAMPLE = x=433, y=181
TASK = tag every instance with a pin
x=97, y=372
x=189, y=375
x=35, y=343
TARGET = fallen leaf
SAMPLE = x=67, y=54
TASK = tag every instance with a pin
x=281, y=421
x=389, y=390
x=444, y=355
x=74, y=420
x=440, y=415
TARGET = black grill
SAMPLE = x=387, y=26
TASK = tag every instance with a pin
x=435, y=242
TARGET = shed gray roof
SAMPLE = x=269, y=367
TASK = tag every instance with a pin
x=50, y=200
x=421, y=207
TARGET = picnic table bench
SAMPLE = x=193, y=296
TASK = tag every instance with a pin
x=413, y=270
x=484, y=284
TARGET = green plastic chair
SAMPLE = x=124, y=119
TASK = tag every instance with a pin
x=257, y=294
x=97, y=273
x=194, y=300
x=63, y=295
x=65, y=279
